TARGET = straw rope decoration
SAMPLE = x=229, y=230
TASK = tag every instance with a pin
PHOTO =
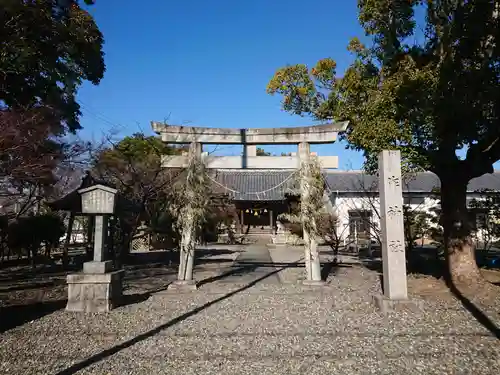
x=257, y=193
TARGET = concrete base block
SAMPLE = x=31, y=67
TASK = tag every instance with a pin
x=94, y=292
x=183, y=285
x=313, y=282
x=97, y=267
x=386, y=305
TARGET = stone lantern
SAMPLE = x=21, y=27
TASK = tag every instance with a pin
x=98, y=288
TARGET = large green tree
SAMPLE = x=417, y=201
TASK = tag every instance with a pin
x=49, y=47
x=427, y=88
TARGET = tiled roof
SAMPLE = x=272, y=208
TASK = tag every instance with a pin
x=274, y=184
x=424, y=182
x=261, y=185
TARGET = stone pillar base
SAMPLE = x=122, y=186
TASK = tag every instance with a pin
x=97, y=267
x=386, y=305
x=183, y=285
x=313, y=282
x=94, y=292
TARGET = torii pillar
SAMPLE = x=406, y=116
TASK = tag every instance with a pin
x=311, y=256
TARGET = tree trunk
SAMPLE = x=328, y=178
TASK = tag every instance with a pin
x=69, y=230
x=459, y=249
x=409, y=245
x=2, y=248
x=336, y=252
x=32, y=251
x=409, y=249
x=48, y=249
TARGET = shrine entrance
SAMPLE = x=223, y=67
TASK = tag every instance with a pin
x=256, y=218
x=259, y=215
x=256, y=207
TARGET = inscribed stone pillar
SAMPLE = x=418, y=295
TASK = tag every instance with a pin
x=312, y=263
x=98, y=264
x=392, y=225
x=90, y=235
x=100, y=237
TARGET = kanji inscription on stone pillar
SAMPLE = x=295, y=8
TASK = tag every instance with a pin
x=392, y=225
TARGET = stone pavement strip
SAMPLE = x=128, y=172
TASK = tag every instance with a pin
x=253, y=263
x=256, y=327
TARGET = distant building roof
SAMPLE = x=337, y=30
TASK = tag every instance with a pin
x=254, y=184
x=272, y=185
x=423, y=182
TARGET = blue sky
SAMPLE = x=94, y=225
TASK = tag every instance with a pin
x=207, y=63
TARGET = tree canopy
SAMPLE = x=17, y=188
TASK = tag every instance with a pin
x=428, y=99
x=262, y=152
x=428, y=90
x=48, y=49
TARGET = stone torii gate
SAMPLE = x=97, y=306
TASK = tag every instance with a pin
x=303, y=137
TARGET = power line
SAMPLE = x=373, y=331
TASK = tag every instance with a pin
x=96, y=117
x=95, y=112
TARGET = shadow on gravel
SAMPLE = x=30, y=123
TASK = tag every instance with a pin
x=204, y=256
x=171, y=257
x=476, y=312
x=156, y=270
x=33, y=285
x=283, y=265
x=415, y=265
x=232, y=272
x=115, y=349
x=17, y=315
x=43, y=271
x=330, y=268
x=202, y=253
x=131, y=299
x=245, y=267
x=13, y=316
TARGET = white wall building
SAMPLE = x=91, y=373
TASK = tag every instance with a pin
x=354, y=196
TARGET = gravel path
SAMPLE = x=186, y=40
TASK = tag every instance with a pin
x=260, y=327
